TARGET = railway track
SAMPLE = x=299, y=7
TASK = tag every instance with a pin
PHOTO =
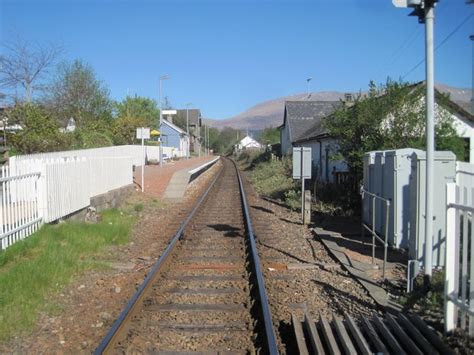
x=206, y=292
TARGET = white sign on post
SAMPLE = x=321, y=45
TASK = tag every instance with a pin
x=302, y=167
x=143, y=133
x=302, y=162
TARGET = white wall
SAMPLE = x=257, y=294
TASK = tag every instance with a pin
x=320, y=150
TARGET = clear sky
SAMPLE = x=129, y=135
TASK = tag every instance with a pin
x=224, y=56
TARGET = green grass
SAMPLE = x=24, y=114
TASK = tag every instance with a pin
x=41, y=265
x=271, y=178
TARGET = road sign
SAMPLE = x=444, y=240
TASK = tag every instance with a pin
x=170, y=112
x=302, y=162
x=143, y=133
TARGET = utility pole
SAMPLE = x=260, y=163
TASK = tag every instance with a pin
x=430, y=143
x=163, y=77
x=471, y=37
x=307, y=87
x=187, y=129
x=424, y=10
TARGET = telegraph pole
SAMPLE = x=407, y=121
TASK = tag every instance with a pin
x=424, y=10
x=430, y=139
x=163, y=77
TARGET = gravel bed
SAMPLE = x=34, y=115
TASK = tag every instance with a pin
x=324, y=289
x=86, y=308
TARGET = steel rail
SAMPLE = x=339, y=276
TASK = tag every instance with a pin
x=267, y=315
x=156, y=267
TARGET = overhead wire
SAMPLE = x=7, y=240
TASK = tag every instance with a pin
x=457, y=28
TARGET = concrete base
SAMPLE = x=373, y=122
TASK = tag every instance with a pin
x=111, y=199
x=180, y=180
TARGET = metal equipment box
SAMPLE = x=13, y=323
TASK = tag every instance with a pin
x=377, y=186
x=396, y=188
x=444, y=172
x=368, y=185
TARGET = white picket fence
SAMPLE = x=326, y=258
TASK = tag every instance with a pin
x=459, y=272
x=133, y=151
x=41, y=188
x=19, y=212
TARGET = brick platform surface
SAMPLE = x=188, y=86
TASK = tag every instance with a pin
x=157, y=177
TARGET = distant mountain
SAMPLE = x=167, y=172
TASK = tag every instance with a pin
x=270, y=113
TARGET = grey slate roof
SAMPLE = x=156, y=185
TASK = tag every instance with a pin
x=304, y=117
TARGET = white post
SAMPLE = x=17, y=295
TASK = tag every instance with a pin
x=143, y=163
x=429, y=19
x=160, y=154
x=451, y=263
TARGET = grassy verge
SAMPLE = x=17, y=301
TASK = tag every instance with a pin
x=42, y=264
x=272, y=178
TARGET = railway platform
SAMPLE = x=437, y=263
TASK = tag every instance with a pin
x=157, y=178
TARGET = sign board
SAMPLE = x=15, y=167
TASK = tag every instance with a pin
x=406, y=3
x=143, y=133
x=170, y=112
x=302, y=162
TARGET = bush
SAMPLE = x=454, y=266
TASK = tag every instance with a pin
x=273, y=178
x=40, y=131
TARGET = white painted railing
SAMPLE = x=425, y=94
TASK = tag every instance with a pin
x=19, y=212
x=135, y=152
x=41, y=188
x=459, y=272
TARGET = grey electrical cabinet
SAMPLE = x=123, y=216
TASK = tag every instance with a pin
x=368, y=185
x=444, y=172
x=377, y=186
x=396, y=188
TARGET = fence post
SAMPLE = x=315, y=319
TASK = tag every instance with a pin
x=450, y=309
x=42, y=200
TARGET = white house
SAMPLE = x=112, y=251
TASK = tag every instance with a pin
x=248, y=143
x=303, y=126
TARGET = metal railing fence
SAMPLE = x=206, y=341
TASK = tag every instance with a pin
x=372, y=228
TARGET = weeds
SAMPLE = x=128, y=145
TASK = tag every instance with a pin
x=42, y=264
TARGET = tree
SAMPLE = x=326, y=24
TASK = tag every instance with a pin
x=25, y=66
x=39, y=132
x=270, y=135
x=131, y=113
x=77, y=93
x=223, y=141
x=390, y=116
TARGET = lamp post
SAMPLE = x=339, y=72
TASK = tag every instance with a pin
x=307, y=86
x=163, y=77
x=424, y=10
x=187, y=128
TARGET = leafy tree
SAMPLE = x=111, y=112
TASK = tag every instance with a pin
x=223, y=141
x=270, y=135
x=77, y=93
x=40, y=132
x=390, y=116
x=131, y=113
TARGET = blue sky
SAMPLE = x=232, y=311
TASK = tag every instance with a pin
x=226, y=56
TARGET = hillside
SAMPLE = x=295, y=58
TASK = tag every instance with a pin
x=270, y=113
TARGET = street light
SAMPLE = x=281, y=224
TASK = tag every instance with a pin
x=187, y=127
x=307, y=86
x=163, y=77
x=424, y=9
